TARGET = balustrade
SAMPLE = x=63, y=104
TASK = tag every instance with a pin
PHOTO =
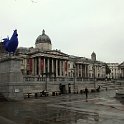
x=52, y=79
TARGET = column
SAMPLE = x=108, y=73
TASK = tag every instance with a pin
x=48, y=67
x=39, y=59
x=44, y=70
x=42, y=63
x=52, y=66
x=63, y=68
x=56, y=68
x=60, y=64
x=81, y=70
x=85, y=71
x=30, y=66
x=33, y=66
x=77, y=70
x=66, y=67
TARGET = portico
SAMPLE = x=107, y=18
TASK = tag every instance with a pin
x=54, y=65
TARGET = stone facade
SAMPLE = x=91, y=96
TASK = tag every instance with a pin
x=121, y=68
x=115, y=71
x=11, y=81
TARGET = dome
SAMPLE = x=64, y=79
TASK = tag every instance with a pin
x=43, y=38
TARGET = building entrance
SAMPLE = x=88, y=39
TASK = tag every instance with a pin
x=62, y=89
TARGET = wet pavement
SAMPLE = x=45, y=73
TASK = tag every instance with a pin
x=101, y=108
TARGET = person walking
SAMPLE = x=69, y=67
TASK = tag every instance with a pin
x=86, y=93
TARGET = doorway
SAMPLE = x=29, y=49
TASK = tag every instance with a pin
x=62, y=89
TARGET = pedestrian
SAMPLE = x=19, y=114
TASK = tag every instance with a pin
x=86, y=92
x=98, y=89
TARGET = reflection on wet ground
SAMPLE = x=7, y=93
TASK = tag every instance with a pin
x=101, y=108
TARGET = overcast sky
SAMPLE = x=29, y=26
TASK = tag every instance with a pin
x=76, y=27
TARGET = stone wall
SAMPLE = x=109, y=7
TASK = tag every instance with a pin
x=35, y=86
x=11, y=79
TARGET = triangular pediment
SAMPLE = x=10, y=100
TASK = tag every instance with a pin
x=50, y=53
x=56, y=52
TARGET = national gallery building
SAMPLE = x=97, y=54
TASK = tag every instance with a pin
x=44, y=61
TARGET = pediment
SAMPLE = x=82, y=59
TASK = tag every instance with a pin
x=51, y=53
x=56, y=52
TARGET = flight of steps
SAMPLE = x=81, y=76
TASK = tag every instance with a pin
x=111, y=85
